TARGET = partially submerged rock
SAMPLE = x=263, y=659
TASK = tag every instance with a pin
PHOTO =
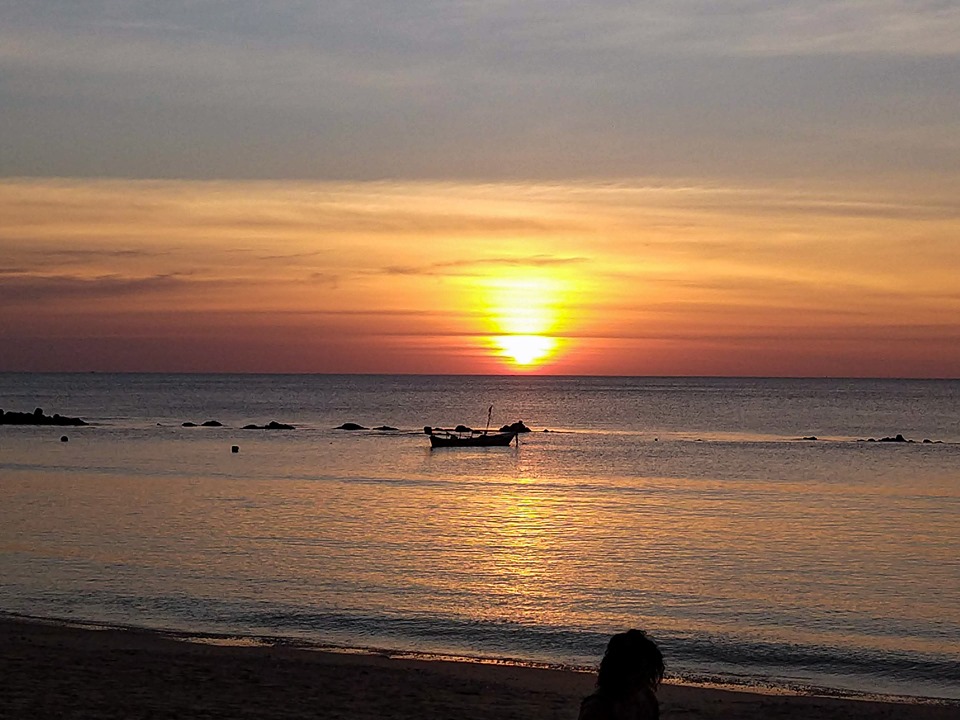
x=350, y=426
x=272, y=425
x=517, y=427
x=899, y=438
x=38, y=418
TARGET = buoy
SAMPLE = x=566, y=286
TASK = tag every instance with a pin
x=235, y=449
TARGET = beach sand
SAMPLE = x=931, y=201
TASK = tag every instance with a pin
x=52, y=671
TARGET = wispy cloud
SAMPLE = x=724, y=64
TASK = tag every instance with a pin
x=479, y=266
x=28, y=288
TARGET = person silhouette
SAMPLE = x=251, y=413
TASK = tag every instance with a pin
x=630, y=673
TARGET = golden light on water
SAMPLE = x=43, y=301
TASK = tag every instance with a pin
x=524, y=312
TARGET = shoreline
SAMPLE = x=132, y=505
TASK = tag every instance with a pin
x=705, y=680
x=72, y=669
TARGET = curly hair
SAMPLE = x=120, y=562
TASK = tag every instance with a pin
x=632, y=658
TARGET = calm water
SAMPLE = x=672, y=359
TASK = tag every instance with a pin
x=689, y=507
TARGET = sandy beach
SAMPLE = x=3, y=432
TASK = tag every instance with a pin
x=51, y=671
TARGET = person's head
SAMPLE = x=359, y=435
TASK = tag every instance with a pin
x=632, y=661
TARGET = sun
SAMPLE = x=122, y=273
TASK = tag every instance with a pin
x=526, y=350
x=524, y=312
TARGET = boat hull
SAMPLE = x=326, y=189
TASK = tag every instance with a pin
x=488, y=440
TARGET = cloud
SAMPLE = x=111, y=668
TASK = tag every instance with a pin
x=850, y=333
x=882, y=27
x=85, y=257
x=480, y=266
x=36, y=289
x=291, y=256
x=330, y=279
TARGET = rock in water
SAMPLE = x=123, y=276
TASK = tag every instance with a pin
x=272, y=425
x=37, y=418
x=517, y=427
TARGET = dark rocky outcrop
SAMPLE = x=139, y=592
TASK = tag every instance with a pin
x=272, y=425
x=898, y=438
x=38, y=418
x=188, y=424
x=385, y=428
x=350, y=426
x=211, y=423
x=517, y=427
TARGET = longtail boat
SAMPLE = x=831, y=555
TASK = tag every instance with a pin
x=468, y=438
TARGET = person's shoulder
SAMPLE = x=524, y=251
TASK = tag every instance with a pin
x=594, y=707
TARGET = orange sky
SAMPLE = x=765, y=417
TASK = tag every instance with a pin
x=419, y=277
x=655, y=188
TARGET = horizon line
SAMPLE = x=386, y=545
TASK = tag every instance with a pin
x=479, y=375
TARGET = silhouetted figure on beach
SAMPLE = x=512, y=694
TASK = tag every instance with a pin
x=630, y=673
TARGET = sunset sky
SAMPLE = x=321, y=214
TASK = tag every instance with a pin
x=670, y=187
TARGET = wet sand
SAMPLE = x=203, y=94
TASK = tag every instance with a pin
x=51, y=671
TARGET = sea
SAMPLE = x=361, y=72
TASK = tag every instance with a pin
x=759, y=529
